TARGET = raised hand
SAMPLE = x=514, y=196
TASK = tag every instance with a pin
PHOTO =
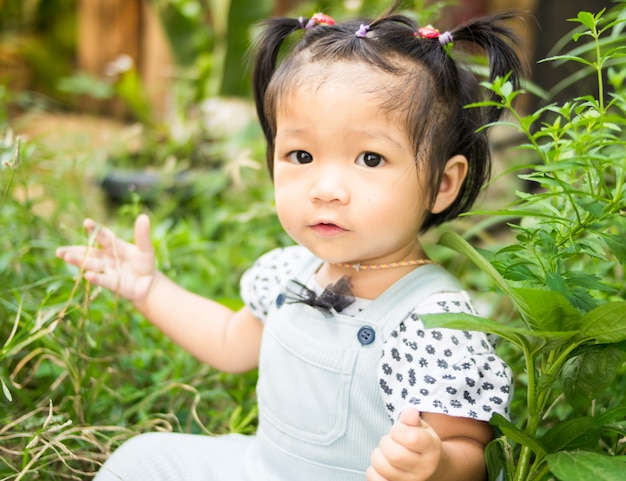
x=124, y=268
x=410, y=452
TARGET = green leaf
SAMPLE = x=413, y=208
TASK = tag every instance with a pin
x=514, y=433
x=586, y=280
x=519, y=337
x=6, y=391
x=605, y=323
x=612, y=415
x=568, y=57
x=548, y=310
x=499, y=458
x=583, y=465
x=617, y=245
x=587, y=19
x=588, y=375
x=573, y=434
x=592, y=206
x=455, y=242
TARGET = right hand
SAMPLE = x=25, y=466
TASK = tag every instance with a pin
x=126, y=269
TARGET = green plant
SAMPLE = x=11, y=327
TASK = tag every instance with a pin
x=564, y=275
x=80, y=371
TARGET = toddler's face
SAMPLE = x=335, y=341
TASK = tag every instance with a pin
x=346, y=182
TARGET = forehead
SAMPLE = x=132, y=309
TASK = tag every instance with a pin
x=377, y=86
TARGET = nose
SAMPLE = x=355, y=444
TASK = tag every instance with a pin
x=329, y=183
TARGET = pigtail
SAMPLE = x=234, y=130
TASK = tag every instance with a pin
x=266, y=48
x=456, y=129
x=498, y=41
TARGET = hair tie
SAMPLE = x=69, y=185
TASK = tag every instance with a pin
x=319, y=19
x=431, y=32
x=427, y=32
x=445, y=38
x=301, y=22
x=362, y=31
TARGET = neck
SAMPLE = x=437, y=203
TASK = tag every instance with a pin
x=368, y=281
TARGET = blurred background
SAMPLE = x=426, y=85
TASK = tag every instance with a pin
x=141, y=60
x=153, y=83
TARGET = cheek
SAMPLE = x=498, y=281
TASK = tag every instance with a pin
x=286, y=208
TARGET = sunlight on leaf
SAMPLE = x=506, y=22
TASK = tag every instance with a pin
x=579, y=465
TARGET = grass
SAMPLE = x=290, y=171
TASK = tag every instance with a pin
x=80, y=370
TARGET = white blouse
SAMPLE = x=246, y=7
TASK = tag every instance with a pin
x=444, y=371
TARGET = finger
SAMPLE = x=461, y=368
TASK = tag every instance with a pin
x=107, y=281
x=415, y=438
x=77, y=254
x=372, y=475
x=379, y=466
x=399, y=458
x=100, y=234
x=410, y=416
x=89, y=224
x=142, y=233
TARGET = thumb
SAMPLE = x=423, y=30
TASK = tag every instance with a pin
x=142, y=233
x=410, y=416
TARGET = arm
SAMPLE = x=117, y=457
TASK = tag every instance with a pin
x=227, y=340
x=433, y=447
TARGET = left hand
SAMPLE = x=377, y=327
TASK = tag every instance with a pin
x=410, y=452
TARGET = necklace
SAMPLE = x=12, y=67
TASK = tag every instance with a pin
x=365, y=267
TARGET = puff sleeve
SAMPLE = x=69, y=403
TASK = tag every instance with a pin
x=261, y=284
x=444, y=371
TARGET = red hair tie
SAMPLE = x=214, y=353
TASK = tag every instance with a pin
x=431, y=32
x=319, y=19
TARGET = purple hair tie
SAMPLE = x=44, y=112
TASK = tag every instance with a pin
x=362, y=31
x=445, y=38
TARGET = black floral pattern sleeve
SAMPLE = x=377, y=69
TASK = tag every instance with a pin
x=261, y=283
x=443, y=371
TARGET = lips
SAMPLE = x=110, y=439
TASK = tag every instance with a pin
x=327, y=229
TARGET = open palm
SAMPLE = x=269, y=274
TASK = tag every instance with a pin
x=125, y=268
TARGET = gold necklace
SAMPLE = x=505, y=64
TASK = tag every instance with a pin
x=364, y=267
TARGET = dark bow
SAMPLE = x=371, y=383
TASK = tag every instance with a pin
x=336, y=296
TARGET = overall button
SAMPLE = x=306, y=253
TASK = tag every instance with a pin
x=366, y=335
x=280, y=300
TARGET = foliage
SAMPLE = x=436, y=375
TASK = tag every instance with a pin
x=564, y=275
x=80, y=371
x=39, y=34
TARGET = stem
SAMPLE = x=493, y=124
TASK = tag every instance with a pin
x=598, y=65
x=541, y=472
x=523, y=465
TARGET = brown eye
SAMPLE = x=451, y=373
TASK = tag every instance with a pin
x=300, y=157
x=370, y=159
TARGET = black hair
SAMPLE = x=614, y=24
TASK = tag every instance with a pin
x=435, y=92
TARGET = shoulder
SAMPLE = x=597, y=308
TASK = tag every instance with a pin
x=262, y=282
x=446, y=301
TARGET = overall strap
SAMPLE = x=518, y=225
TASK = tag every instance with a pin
x=393, y=305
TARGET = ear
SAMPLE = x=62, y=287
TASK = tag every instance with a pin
x=451, y=181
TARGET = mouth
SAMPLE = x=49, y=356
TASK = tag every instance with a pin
x=327, y=229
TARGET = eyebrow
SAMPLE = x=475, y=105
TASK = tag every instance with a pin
x=379, y=135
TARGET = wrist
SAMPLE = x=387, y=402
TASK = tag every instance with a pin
x=143, y=303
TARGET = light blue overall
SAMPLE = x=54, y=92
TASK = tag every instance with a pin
x=320, y=409
x=321, y=412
